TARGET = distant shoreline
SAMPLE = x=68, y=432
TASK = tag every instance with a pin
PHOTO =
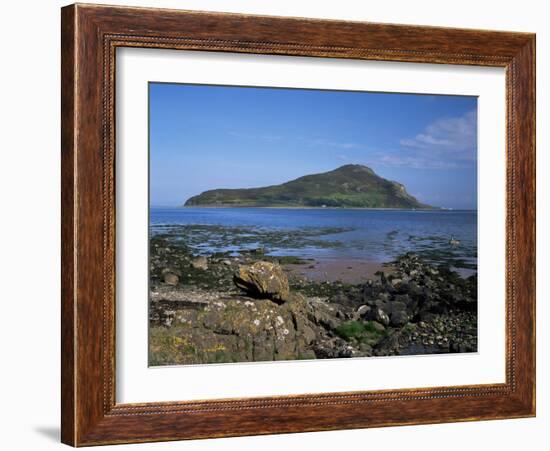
x=315, y=208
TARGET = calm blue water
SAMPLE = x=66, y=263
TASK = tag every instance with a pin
x=375, y=235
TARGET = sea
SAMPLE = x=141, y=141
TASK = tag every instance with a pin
x=439, y=236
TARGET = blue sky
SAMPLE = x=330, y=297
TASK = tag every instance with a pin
x=206, y=137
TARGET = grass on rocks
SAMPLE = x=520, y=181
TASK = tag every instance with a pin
x=361, y=332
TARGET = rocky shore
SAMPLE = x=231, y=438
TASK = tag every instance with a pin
x=248, y=306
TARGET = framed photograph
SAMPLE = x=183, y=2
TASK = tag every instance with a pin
x=279, y=225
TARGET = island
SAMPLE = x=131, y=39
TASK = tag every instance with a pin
x=349, y=186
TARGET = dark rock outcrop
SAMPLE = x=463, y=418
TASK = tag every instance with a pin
x=263, y=280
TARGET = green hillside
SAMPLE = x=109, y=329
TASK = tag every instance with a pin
x=349, y=186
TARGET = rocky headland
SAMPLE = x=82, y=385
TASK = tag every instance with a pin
x=349, y=186
x=249, y=306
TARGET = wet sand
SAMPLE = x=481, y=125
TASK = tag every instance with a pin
x=332, y=270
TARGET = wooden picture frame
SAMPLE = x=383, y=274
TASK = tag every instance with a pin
x=90, y=36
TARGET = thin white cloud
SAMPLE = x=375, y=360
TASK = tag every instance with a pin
x=414, y=162
x=451, y=137
x=423, y=141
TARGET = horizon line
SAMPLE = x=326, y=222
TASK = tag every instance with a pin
x=181, y=206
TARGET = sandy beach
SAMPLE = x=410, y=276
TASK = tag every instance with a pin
x=352, y=271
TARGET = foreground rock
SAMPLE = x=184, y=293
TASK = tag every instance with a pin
x=417, y=291
x=225, y=328
x=240, y=309
x=200, y=263
x=425, y=309
x=171, y=279
x=263, y=280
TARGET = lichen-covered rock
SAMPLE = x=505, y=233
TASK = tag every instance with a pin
x=235, y=329
x=263, y=280
x=324, y=315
